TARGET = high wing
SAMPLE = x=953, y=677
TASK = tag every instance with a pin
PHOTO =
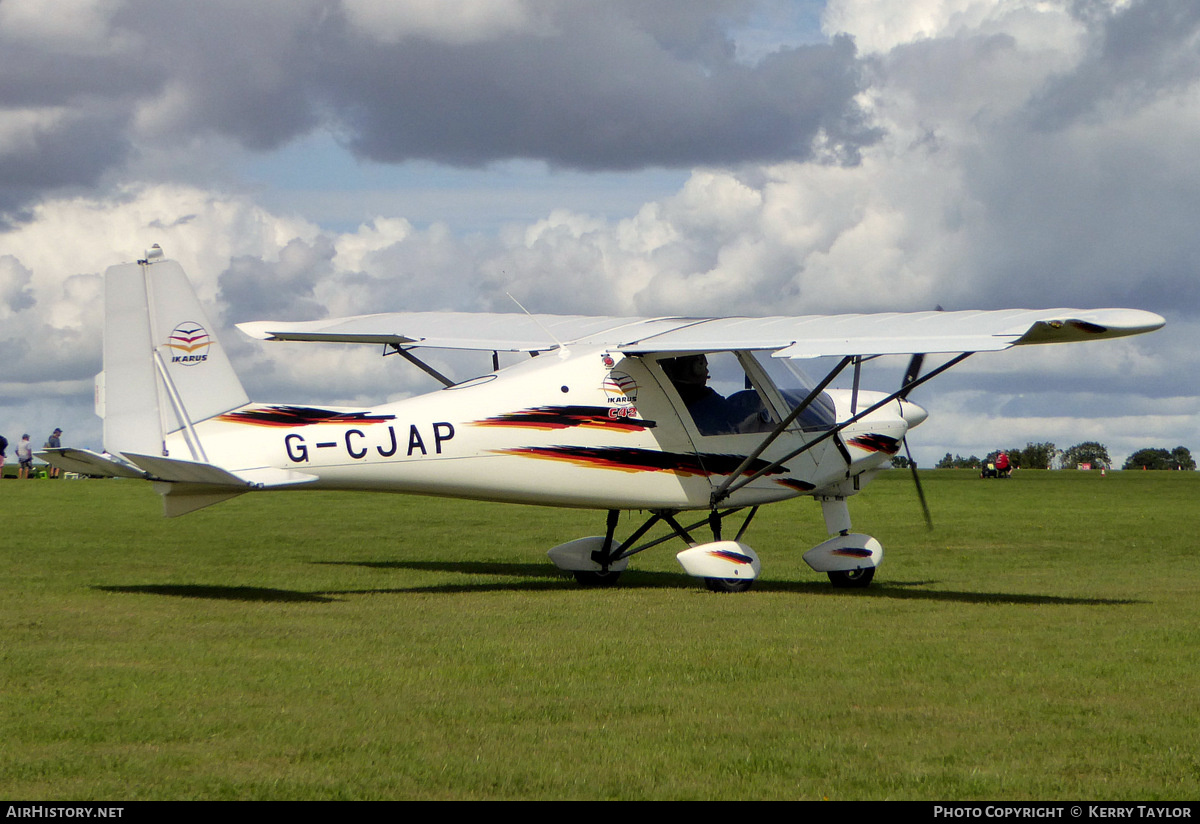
x=804, y=336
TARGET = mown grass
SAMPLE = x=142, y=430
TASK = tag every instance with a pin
x=1042, y=643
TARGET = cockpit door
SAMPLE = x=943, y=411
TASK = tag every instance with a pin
x=729, y=404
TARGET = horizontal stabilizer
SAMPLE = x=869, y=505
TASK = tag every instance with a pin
x=207, y=475
x=186, y=486
x=269, y=476
x=192, y=472
x=86, y=462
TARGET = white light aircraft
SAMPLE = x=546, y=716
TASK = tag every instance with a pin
x=611, y=413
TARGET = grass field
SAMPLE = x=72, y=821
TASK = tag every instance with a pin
x=1042, y=643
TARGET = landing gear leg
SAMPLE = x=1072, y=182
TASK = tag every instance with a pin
x=726, y=566
x=604, y=577
x=728, y=584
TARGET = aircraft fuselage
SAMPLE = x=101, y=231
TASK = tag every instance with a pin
x=578, y=427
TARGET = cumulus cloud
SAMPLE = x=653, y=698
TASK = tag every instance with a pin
x=252, y=288
x=71, y=27
x=592, y=85
x=595, y=99
x=446, y=21
x=1133, y=59
x=15, y=294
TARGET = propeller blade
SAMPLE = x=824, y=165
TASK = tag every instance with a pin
x=914, y=366
x=911, y=374
x=920, y=492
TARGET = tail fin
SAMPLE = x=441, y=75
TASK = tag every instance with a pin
x=163, y=369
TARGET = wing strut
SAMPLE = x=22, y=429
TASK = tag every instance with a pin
x=729, y=486
x=854, y=392
x=420, y=364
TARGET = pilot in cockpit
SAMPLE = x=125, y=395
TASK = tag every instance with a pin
x=712, y=413
x=689, y=375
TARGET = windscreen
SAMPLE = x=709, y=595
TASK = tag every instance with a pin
x=794, y=385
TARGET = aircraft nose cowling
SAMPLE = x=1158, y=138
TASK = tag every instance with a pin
x=913, y=414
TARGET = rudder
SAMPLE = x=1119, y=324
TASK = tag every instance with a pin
x=163, y=369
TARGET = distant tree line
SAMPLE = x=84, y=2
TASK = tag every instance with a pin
x=1033, y=456
x=1178, y=458
x=958, y=462
x=1092, y=453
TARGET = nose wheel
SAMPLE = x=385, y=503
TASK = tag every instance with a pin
x=596, y=580
x=728, y=584
x=852, y=579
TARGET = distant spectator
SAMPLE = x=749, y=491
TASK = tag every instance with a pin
x=24, y=458
x=3, y=446
x=54, y=443
x=1003, y=467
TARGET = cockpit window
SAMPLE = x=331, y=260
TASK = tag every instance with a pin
x=718, y=395
x=795, y=386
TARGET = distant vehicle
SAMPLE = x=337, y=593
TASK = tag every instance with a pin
x=611, y=413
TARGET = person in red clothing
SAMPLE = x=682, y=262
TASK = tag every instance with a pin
x=1003, y=467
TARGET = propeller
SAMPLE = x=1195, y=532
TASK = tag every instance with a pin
x=911, y=374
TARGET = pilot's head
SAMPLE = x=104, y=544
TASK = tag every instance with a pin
x=689, y=370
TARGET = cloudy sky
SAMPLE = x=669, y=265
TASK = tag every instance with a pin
x=330, y=157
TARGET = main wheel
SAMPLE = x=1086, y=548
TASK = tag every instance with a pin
x=728, y=584
x=596, y=579
x=854, y=578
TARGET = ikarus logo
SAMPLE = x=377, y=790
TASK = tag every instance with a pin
x=620, y=388
x=190, y=343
